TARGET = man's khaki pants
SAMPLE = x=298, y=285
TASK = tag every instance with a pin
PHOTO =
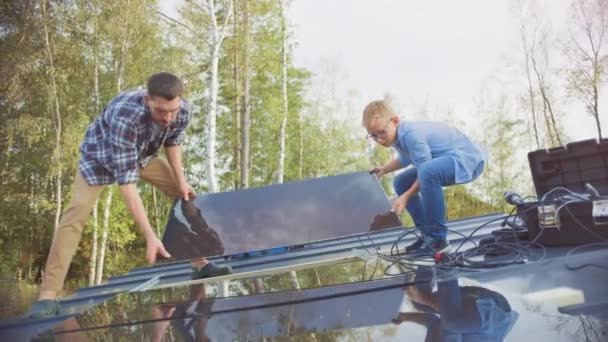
x=68, y=233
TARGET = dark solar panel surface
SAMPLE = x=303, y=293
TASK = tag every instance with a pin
x=278, y=215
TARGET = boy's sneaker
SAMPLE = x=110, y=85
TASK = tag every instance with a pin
x=433, y=247
x=210, y=270
x=414, y=246
x=43, y=309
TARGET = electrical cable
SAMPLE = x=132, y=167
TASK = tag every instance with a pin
x=515, y=252
x=570, y=254
x=508, y=253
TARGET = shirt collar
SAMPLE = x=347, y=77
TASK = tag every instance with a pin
x=396, y=144
x=147, y=113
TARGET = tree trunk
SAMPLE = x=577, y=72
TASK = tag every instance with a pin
x=259, y=286
x=301, y=154
x=236, y=118
x=217, y=33
x=246, y=110
x=295, y=282
x=155, y=208
x=531, y=93
x=211, y=118
x=317, y=277
x=93, y=259
x=546, y=103
x=104, y=235
x=96, y=108
x=56, y=114
x=108, y=204
x=588, y=54
x=120, y=70
x=596, y=114
x=282, y=134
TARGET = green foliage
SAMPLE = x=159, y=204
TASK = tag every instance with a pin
x=504, y=170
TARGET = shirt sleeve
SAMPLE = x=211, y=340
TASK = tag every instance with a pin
x=123, y=137
x=177, y=136
x=404, y=161
x=418, y=148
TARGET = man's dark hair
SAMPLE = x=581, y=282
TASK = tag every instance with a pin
x=165, y=85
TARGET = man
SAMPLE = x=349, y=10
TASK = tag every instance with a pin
x=121, y=146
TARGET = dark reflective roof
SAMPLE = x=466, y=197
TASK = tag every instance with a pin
x=337, y=289
x=517, y=303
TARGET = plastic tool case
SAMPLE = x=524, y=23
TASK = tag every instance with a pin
x=569, y=220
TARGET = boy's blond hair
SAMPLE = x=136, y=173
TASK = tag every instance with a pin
x=375, y=110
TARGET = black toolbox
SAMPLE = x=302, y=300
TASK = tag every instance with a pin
x=570, y=220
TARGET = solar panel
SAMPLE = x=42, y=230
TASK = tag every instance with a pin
x=277, y=215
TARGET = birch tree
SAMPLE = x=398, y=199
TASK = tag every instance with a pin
x=104, y=235
x=93, y=258
x=119, y=66
x=539, y=98
x=236, y=112
x=97, y=107
x=217, y=33
x=246, y=105
x=212, y=19
x=586, y=51
x=282, y=133
x=54, y=105
x=295, y=283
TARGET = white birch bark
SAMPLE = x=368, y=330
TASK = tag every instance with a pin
x=108, y=203
x=93, y=259
x=217, y=32
x=104, y=236
x=246, y=109
x=282, y=134
x=94, y=243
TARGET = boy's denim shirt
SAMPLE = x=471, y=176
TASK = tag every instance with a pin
x=418, y=142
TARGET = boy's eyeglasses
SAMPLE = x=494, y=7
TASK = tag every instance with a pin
x=380, y=134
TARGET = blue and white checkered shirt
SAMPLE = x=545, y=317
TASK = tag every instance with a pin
x=124, y=137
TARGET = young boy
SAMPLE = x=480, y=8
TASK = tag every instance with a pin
x=441, y=156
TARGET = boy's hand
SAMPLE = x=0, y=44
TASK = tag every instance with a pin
x=400, y=204
x=154, y=247
x=378, y=171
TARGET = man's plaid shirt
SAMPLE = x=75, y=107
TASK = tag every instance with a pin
x=124, y=137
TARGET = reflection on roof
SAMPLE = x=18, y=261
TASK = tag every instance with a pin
x=345, y=288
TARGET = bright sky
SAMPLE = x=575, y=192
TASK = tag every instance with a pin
x=438, y=52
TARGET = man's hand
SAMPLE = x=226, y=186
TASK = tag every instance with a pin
x=186, y=191
x=154, y=247
x=378, y=171
x=400, y=204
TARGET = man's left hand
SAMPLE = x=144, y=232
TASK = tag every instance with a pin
x=154, y=247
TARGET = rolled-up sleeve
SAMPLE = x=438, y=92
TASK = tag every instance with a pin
x=123, y=137
x=177, y=136
x=418, y=148
x=404, y=161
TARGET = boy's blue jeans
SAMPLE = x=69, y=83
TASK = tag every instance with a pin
x=427, y=207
